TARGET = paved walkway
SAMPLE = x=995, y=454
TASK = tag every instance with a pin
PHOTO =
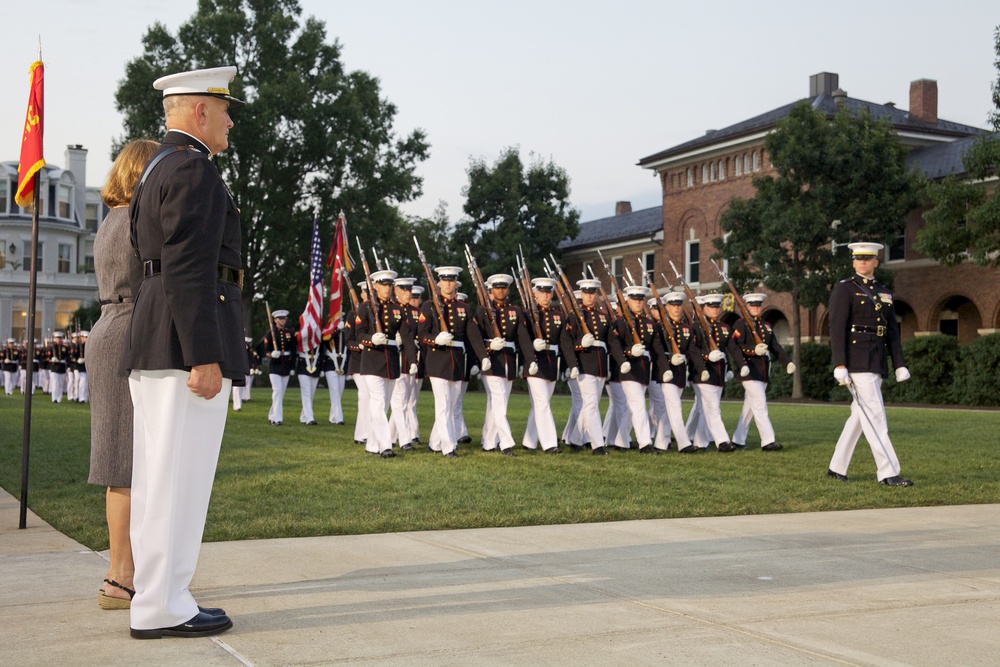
x=915, y=586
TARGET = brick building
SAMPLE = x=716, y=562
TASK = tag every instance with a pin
x=699, y=178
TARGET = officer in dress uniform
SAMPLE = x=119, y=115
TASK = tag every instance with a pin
x=756, y=373
x=445, y=350
x=334, y=366
x=591, y=338
x=863, y=334
x=710, y=374
x=510, y=337
x=554, y=343
x=278, y=345
x=58, y=359
x=636, y=362
x=678, y=345
x=308, y=370
x=402, y=428
x=378, y=321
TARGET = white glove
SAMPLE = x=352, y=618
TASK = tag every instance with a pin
x=443, y=339
x=745, y=371
x=588, y=340
x=540, y=345
x=474, y=370
x=574, y=373
x=638, y=350
x=533, y=368
x=413, y=369
x=676, y=359
x=841, y=375
x=275, y=354
x=668, y=376
x=625, y=368
x=902, y=375
x=704, y=376
x=729, y=376
x=760, y=349
x=485, y=365
x=790, y=368
x=716, y=355
x=379, y=339
x=399, y=339
x=497, y=344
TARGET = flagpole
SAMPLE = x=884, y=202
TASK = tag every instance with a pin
x=29, y=363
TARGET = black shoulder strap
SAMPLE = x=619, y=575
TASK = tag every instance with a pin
x=133, y=236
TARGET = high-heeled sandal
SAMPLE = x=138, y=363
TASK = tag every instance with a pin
x=108, y=602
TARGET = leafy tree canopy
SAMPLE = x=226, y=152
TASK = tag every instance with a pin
x=313, y=139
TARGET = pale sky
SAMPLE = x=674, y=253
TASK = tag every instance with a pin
x=592, y=85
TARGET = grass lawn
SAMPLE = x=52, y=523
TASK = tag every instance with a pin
x=295, y=480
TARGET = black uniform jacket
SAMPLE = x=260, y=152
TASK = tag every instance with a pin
x=513, y=325
x=382, y=360
x=449, y=362
x=720, y=333
x=640, y=367
x=185, y=315
x=552, y=322
x=760, y=366
x=592, y=360
x=679, y=333
x=863, y=327
x=282, y=340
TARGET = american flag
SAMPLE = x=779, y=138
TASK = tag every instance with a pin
x=309, y=320
x=340, y=259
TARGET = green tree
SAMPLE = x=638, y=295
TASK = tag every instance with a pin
x=509, y=207
x=842, y=179
x=964, y=219
x=313, y=139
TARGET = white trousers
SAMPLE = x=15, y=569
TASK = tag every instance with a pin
x=869, y=418
x=364, y=420
x=635, y=399
x=447, y=394
x=496, y=428
x=591, y=387
x=379, y=395
x=571, y=433
x=616, y=421
x=671, y=416
x=755, y=408
x=176, y=442
x=307, y=389
x=704, y=424
x=58, y=385
x=336, y=384
x=279, y=383
x=541, y=424
x=461, y=428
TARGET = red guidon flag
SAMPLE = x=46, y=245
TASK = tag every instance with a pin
x=31, y=145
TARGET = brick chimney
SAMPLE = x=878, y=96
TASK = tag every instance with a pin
x=924, y=101
x=623, y=207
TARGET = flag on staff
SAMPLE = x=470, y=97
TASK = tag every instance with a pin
x=340, y=259
x=31, y=144
x=309, y=320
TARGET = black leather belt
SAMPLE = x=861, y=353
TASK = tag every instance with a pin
x=878, y=331
x=226, y=274
x=118, y=299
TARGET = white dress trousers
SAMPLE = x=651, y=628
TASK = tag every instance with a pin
x=176, y=442
x=541, y=424
x=868, y=418
x=279, y=383
x=755, y=408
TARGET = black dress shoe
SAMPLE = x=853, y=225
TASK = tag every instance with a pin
x=837, y=475
x=690, y=449
x=464, y=440
x=202, y=625
x=212, y=611
x=727, y=447
x=600, y=451
x=772, y=447
x=507, y=452
x=896, y=480
x=388, y=454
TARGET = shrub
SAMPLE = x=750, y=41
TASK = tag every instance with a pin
x=931, y=361
x=976, y=379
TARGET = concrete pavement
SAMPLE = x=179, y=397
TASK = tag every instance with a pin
x=913, y=586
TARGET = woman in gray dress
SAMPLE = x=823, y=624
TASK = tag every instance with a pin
x=110, y=401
